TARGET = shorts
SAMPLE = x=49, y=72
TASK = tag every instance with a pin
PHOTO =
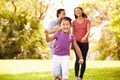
x=60, y=62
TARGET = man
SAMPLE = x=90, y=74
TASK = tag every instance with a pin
x=53, y=25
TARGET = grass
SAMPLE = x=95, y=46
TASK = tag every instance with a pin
x=90, y=74
x=101, y=74
x=41, y=70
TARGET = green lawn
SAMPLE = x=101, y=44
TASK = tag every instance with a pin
x=90, y=74
x=41, y=70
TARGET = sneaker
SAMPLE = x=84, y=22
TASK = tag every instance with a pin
x=76, y=78
x=79, y=79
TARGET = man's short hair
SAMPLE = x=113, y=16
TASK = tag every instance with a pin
x=59, y=11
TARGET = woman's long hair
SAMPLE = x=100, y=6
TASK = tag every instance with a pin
x=83, y=14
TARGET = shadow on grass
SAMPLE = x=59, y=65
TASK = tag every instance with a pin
x=90, y=74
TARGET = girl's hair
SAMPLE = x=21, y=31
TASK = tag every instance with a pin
x=65, y=18
x=59, y=12
x=83, y=14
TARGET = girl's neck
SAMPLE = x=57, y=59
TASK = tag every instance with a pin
x=65, y=32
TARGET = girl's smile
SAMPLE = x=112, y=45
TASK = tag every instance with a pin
x=65, y=26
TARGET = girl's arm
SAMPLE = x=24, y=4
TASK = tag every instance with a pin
x=79, y=53
x=48, y=39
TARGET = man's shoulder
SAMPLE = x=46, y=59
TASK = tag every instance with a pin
x=52, y=24
x=54, y=21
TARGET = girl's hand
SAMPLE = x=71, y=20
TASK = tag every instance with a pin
x=81, y=61
x=46, y=31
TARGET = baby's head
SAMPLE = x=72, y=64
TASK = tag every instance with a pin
x=65, y=24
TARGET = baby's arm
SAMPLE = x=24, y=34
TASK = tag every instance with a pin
x=79, y=53
x=48, y=39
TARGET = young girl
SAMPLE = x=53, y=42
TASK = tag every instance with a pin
x=61, y=49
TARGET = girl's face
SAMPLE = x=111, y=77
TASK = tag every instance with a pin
x=78, y=12
x=65, y=26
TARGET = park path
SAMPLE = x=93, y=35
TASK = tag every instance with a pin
x=22, y=66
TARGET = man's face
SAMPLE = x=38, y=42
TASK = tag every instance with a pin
x=62, y=14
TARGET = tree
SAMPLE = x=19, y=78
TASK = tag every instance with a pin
x=113, y=30
x=21, y=28
x=115, y=25
x=110, y=33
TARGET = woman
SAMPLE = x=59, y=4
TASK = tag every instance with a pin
x=81, y=30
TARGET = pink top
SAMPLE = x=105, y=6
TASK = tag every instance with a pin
x=80, y=29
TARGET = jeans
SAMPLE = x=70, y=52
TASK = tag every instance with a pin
x=84, y=49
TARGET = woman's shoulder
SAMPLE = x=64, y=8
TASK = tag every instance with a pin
x=87, y=20
x=74, y=21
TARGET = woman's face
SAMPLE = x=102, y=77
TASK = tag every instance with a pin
x=78, y=12
x=65, y=26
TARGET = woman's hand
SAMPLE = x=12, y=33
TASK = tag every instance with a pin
x=83, y=39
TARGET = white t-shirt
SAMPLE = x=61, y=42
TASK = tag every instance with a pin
x=52, y=24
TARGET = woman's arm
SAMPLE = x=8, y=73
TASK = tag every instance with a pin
x=88, y=30
x=79, y=53
x=48, y=39
x=87, y=34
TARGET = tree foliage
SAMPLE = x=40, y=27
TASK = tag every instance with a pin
x=21, y=28
x=114, y=12
x=99, y=11
x=111, y=33
x=95, y=11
